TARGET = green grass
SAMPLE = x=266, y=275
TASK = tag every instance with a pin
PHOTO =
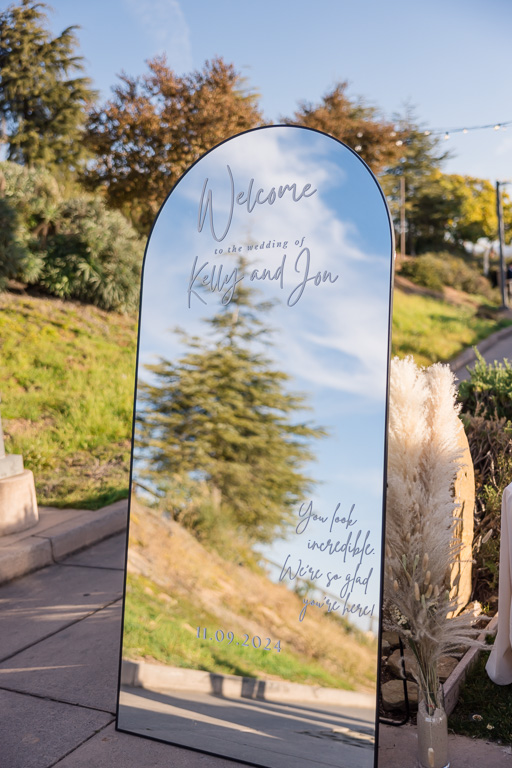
x=67, y=376
x=433, y=330
x=160, y=628
x=484, y=709
x=67, y=381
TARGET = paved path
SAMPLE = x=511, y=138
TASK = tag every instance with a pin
x=58, y=676
x=59, y=650
x=495, y=347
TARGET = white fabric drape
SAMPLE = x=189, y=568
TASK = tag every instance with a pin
x=499, y=664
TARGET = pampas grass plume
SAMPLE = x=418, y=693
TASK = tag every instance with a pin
x=423, y=460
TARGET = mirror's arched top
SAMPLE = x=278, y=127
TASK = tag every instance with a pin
x=297, y=221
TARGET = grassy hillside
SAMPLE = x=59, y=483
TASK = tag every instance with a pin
x=66, y=382
x=176, y=585
x=67, y=375
x=433, y=330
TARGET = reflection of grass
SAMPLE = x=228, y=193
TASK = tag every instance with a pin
x=433, y=330
x=490, y=703
x=157, y=627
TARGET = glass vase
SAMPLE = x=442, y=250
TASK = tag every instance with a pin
x=432, y=730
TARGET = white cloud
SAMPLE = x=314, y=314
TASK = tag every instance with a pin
x=164, y=22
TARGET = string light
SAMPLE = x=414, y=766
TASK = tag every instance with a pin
x=448, y=132
x=444, y=132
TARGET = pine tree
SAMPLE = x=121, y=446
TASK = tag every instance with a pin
x=42, y=108
x=219, y=430
x=420, y=160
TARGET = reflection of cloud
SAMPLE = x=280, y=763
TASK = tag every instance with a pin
x=165, y=23
x=349, y=354
x=274, y=160
x=336, y=335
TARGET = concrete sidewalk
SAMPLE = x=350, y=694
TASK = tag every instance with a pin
x=59, y=654
x=59, y=533
x=495, y=347
x=58, y=678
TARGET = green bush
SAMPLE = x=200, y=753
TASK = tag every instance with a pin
x=12, y=251
x=95, y=257
x=26, y=198
x=71, y=248
x=436, y=270
x=488, y=391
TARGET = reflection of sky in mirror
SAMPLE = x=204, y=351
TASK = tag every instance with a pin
x=333, y=340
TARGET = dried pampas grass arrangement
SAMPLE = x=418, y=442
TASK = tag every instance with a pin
x=424, y=457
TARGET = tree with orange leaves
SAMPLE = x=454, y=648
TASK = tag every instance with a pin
x=155, y=126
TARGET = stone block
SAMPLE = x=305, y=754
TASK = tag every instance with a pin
x=392, y=638
x=393, y=695
x=385, y=647
x=12, y=464
x=395, y=664
x=18, y=503
x=445, y=666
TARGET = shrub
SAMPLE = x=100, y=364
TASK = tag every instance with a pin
x=95, y=256
x=488, y=391
x=29, y=198
x=436, y=270
x=74, y=248
x=12, y=251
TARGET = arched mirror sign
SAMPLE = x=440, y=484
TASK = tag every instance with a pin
x=253, y=579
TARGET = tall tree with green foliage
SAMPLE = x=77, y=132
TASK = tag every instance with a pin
x=420, y=159
x=448, y=210
x=218, y=429
x=42, y=107
x=157, y=125
x=355, y=123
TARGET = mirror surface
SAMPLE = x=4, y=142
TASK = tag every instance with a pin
x=255, y=541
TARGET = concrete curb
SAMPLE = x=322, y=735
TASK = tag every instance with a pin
x=468, y=356
x=58, y=534
x=157, y=677
x=455, y=681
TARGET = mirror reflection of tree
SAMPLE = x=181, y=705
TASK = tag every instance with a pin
x=221, y=435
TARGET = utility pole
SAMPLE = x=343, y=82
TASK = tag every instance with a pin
x=501, y=239
x=402, y=216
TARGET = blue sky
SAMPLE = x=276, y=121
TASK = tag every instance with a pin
x=331, y=339
x=449, y=59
